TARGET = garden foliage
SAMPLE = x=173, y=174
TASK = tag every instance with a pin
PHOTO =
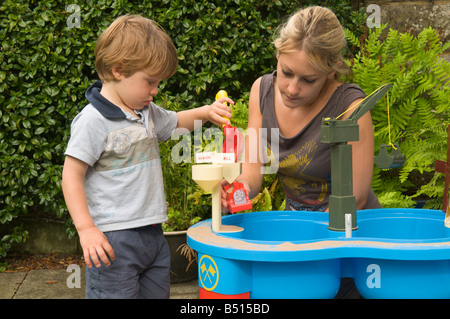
x=419, y=105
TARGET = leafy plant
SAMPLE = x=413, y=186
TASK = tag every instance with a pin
x=418, y=105
x=271, y=197
x=190, y=254
x=18, y=235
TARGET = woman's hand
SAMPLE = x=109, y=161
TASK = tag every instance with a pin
x=223, y=184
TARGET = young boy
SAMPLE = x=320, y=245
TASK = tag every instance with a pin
x=112, y=178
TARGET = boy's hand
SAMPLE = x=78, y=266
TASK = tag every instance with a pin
x=219, y=113
x=95, y=245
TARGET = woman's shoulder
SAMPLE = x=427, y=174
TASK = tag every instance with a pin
x=266, y=80
x=344, y=96
x=351, y=87
x=263, y=87
x=349, y=92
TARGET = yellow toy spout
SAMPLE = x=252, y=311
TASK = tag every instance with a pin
x=221, y=94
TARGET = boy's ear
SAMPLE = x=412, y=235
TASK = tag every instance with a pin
x=117, y=71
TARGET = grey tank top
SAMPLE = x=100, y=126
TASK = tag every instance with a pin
x=304, y=163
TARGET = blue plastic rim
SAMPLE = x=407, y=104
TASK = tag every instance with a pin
x=394, y=253
x=405, y=234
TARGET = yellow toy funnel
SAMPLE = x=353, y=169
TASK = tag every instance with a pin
x=207, y=176
x=231, y=171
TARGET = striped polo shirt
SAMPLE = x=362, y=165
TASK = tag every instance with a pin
x=124, y=183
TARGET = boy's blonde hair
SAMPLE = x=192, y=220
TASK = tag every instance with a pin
x=318, y=32
x=134, y=43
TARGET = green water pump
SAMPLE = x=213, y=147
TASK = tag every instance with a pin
x=338, y=133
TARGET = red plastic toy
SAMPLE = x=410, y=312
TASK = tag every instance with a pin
x=237, y=198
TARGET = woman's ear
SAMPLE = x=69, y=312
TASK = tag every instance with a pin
x=331, y=75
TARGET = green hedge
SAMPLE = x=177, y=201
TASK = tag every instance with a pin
x=47, y=63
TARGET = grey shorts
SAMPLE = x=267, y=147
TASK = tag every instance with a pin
x=141, y=268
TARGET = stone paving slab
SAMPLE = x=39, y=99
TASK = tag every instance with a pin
x=50, y=284
x=10, y=283
x=57, y=283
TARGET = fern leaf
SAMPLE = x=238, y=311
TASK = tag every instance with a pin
x=352, y=38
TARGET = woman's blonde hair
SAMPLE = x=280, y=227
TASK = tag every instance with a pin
x=318, y=32
x=134, y=43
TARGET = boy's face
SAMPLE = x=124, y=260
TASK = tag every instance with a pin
x=138, y=90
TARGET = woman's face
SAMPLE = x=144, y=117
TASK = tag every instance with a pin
x=299, y=83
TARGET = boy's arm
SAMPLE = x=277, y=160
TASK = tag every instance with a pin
x=93, y=241
x=213, y=113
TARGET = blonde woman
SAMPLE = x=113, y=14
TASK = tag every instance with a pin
x=293, y=99
x=305, y=88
